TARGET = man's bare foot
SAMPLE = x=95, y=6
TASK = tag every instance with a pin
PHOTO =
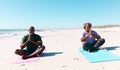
x=28, y=56
x=25, y=57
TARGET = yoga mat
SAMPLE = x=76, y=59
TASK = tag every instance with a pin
x=99, y=56
x=20, y=60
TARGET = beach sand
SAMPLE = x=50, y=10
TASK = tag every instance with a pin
x=62, y=47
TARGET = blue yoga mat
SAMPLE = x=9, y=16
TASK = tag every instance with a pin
x=99, y=56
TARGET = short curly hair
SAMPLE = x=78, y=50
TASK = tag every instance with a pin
x=88, y=23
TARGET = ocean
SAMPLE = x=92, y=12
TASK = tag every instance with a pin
x=5, y=33
x=10, y=30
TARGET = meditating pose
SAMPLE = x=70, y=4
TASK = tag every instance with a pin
x=91, y=39
x=31, y=46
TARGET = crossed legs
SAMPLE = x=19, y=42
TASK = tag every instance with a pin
x=95, y=46
x=27, y=55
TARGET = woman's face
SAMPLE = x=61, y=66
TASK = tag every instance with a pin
x=87, y=28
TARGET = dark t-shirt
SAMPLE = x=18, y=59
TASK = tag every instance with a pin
x=30, y=48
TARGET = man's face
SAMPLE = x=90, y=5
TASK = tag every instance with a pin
x=31, y=30
x=87, y=28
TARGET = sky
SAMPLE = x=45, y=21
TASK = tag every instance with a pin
x=52, y=14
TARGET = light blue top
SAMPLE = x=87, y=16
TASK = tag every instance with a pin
x=91, y=39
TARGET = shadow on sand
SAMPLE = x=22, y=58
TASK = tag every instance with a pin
x=112, y=47
x=48, y=54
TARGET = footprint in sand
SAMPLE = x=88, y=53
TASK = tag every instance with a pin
x=64, y=66
x=22, y=64
x=77, y=59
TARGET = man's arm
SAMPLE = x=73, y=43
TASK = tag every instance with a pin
x=24, y=42
x=23, y=45
x=38, y=43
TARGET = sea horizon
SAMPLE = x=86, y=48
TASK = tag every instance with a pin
x=6, y=33
x=23, y=29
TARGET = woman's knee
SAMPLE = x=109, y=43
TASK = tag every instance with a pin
x=86, y=46
x=102, y=40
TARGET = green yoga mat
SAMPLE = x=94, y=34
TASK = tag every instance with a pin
x=99, y=56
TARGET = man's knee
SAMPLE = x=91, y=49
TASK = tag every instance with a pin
x=43, y=47
x=19, y=52
x=16, y=51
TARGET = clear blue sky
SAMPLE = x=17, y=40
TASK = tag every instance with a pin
x=58, y=13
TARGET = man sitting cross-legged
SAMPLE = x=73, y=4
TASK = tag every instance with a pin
x=31, y=46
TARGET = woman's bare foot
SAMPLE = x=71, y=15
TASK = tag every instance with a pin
x=101, y=48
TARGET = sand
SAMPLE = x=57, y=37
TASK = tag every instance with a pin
x=62, y=45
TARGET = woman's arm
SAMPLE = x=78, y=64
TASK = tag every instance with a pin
x=85, y=37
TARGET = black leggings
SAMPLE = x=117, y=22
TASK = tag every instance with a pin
x=95, y=46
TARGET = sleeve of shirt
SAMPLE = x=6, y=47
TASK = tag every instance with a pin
x=24, y=39
x=39, y=38
x=82, y=35
x=95, y=33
